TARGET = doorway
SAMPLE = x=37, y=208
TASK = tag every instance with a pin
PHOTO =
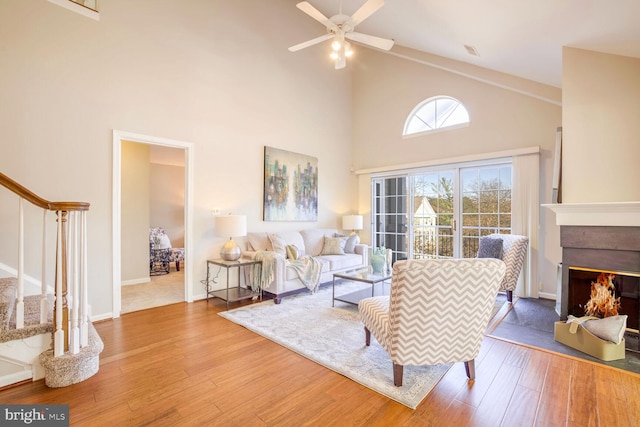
x=121, y=199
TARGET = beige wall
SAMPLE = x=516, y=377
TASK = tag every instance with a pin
x=601, y=130
x=167, y=201
x=387, y=88
x=135, y=212
x=214, y=73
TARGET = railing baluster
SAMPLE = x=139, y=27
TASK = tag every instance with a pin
x=74, y=333
x=20, y=296
x=44, y=302
x=84, y=327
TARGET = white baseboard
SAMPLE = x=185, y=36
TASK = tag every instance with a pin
x=547, y=295
x=136, y=281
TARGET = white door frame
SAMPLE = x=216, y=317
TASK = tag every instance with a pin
x=118, y=138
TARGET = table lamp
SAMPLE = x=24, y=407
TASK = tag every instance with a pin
x=352, y=222
x=230, y=226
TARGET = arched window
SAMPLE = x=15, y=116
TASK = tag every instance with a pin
x=436, y=113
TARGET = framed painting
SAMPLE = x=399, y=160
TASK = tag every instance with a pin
x=290, y=186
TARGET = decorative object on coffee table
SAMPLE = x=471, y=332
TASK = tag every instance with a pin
x=378, y=259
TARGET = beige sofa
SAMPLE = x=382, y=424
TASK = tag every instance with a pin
x=307, y=242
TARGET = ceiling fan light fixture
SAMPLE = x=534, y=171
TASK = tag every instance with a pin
x=347, y=50
x=340, y=27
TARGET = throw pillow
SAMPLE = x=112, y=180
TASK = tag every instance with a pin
x=259, y=241
x=490, y=247
x=350, y=245
x=333, y=246
x=278, y=244
x=293, y=252
x=164, y=242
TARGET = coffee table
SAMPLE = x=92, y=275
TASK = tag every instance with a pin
x=363, y=276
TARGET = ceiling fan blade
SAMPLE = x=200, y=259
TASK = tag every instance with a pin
x=310, y=42
x=306, y=7
x=365, y=11
x=379, y=42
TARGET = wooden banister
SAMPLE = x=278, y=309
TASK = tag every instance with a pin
x=68, y=214
x=33, y=198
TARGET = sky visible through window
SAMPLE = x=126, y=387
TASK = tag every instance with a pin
x=436, y=113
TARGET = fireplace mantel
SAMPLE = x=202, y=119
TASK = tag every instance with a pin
x=615, y=214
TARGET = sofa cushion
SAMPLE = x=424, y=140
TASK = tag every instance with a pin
x=340, y=262
x=278, y=244
x=314, y=239
x=333, y=246
x=293, y=238
x=259, y=242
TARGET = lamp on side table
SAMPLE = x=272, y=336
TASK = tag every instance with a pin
x=231, y=226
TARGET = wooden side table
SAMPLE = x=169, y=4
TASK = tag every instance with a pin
x=230, y=294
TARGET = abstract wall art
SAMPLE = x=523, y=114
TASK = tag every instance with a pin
x=290, y=186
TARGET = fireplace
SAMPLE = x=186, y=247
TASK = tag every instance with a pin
x=604, y=293
x=596, y=238
x=598, y=248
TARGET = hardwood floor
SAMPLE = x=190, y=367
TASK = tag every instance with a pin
x=184, y=365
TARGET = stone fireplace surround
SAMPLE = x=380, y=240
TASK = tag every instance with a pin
x=597, y=236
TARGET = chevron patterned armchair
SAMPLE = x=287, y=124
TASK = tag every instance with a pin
x=437, y=311
x=514, y=250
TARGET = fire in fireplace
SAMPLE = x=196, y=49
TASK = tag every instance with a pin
x=604, y=293
x=603, y=301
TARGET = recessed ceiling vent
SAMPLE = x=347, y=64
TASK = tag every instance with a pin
x=471, y=50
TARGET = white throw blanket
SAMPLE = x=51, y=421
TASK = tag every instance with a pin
x=264, y=274
x=307, y=268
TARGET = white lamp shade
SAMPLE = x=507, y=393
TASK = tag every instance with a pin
x=231, y=225
x=352, y=222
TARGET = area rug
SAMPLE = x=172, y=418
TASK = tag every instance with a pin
x=334, y=338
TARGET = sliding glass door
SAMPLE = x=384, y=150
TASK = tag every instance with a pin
x=390, y=215
x=417, y=214
x=433, y=215
x=486, y=204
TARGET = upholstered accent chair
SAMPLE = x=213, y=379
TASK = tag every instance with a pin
x=437, y=311
x=514, y=251
x=161, y=252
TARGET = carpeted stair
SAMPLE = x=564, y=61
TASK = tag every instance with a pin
x=32, y=325
x=59, y=371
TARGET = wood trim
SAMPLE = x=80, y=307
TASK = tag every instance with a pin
x=36, y=200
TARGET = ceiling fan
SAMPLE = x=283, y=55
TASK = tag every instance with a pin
x=341, y=27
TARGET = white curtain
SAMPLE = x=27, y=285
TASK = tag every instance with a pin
x=525, y=208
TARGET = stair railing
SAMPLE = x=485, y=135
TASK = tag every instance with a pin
x=70, y=287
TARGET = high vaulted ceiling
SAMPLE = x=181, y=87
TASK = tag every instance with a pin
x=519, y=37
